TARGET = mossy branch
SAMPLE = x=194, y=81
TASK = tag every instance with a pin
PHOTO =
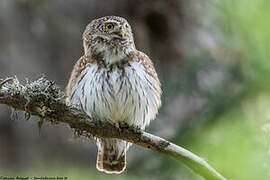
x=43, y=99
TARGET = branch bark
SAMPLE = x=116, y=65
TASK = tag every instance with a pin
x=43, y=99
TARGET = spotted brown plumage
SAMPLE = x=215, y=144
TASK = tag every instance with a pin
x=116, y=83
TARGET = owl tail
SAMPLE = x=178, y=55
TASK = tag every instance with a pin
x=111, y=156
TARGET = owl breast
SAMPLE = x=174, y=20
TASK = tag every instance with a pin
x=118, y=94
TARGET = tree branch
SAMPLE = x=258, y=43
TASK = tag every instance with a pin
x=45, y=100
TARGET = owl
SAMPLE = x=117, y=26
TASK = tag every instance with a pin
x=114, y=82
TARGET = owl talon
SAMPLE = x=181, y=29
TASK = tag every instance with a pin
x=117, y=125
x=123, y=125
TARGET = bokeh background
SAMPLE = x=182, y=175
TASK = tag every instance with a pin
x=213, y=61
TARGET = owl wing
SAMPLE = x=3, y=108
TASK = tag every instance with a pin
x=150, y=88
x=80, y=65
x=146, y=62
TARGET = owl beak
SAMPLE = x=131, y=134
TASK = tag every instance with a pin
x=122, y=33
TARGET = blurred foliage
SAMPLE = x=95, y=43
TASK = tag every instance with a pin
x=246, y=27
x=237, y=142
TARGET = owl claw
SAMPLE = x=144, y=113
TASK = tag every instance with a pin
x=120, y=125
x=123, y=125
x=117, y=125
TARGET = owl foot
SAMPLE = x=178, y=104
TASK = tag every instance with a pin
x=117, y=125
x=123, y=125
x=120, y=125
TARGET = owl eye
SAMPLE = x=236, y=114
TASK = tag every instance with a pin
x=109, y=26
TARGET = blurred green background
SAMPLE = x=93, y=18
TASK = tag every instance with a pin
x=213, y=59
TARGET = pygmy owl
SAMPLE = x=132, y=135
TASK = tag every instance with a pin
x=114, y=82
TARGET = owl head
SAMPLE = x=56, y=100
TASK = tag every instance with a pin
x=109, y=32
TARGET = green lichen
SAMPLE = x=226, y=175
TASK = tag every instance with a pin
x=39, y=90
x=12, y=86
x=135, y=128
x=44, y=90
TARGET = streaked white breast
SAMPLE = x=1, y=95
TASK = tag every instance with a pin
x=128, y=95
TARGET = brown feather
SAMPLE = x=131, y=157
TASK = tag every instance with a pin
x=144, y=60
x=108, y=160
x=78, y=68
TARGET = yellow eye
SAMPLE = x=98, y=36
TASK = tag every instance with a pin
x=109, y=26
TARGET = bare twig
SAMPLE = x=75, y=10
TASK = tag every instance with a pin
x=43, y=99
